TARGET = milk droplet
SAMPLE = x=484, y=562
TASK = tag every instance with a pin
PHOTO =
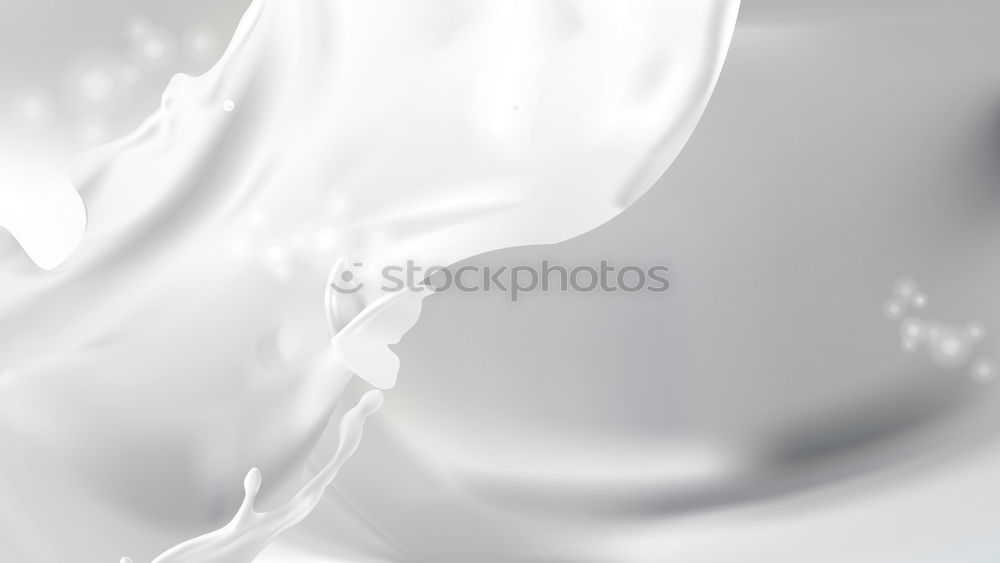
x=228, y=105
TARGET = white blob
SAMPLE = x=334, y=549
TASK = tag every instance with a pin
x=136, y=28
x=325, y=239
x=949, y=347
x=919, y=300
x=339, y=206
x=912, y=333
x=894, y=309
x=976, y=331
x=228, y=105
x=905, y=289
x=274, y=253
x=984, y=370
x=33, y=108
x=201, y=44
x=96, y=85
x=130, y=74
x=151, y=44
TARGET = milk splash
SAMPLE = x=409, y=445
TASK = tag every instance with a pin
x=249, y=532
x=187, y=326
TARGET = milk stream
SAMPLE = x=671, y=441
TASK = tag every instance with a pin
x=249, y=532
x=180, y=339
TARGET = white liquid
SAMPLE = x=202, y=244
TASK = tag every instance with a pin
x=184, y=342
x=249, y=532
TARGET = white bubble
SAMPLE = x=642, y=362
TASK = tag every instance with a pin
x=325, y=239
x=976, y=331
x=258, y=218
x=150, y=44
x=339, y=205
x=32, y=108
x=894, y=309
x=919, y=300
x=228, y=105
x=201, y=44
x=96, y=85
x=153, y=48
x=93, y=132
x=274, y=253
x=905, y=288
x=984, y=370
x=912, y=330
x=950, y=348
x=137, y=27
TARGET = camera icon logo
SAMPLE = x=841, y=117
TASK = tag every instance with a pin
x=347, y=282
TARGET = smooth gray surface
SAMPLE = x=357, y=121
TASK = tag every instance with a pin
x=848, y=144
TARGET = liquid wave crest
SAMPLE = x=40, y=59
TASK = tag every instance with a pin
x=184, y=341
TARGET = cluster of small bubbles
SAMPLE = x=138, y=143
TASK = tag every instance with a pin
x=948, y=346
x=906, y=293
x=92, y=90
x=304, y=243
x=913, y=333
x=150, y=44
